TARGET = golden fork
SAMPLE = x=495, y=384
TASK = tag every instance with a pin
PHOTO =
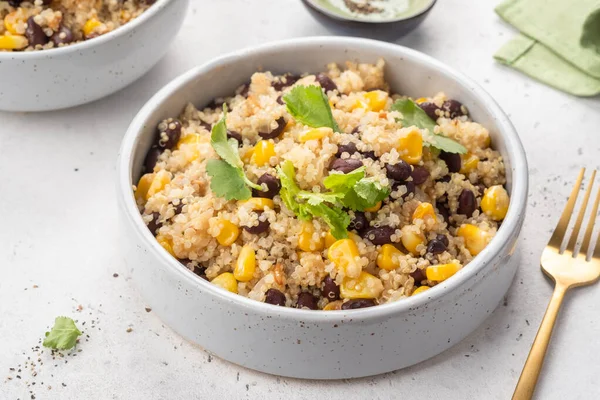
x=568, y=268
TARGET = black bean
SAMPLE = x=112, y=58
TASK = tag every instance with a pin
x=418, y=276
x=178, y=208
x=454, y=108
x=169, y=133
x=379, y=236
x=245, y=89
x=35, y=34
x=62, y=36
x=358, y=303
x=445, y=179
x=235, y=135
x=325, y=82
x=430, y=109
x=419, y=175
x=436, y=246
x=349, y=148
x=359, y=222
x=261, y=227
x=330, y=289
x=443, y=210
x=15, y=3
x=152, y=158
x=410, y=187
x=284, y=81
x=355, y=131
x=215, y=104
x=275, y=132
x=369, y=154
x=466, y=203
x=273, y=186
x=480, y=188
x=399, y=172
x=280, y=100
x=206, y=125
x=452, y=160
x=154, y=224
x=346, y=165
x=443, y=239
x=307, y=300
x=275, y=297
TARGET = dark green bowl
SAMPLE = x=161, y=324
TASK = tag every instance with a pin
x=385, y=30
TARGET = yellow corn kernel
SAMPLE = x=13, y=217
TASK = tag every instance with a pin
x=306, y=239
x=411, y=240
x=343, y=253
x=421, y=100
x=141, y=190
x=191, y=153
x=375, y=208
x=166, y=243
x=14, y=22
x=259, y=203
x=495, y=202
x=226, y=281
x=410, y=147
x=90, y=25
x=376, y=100
x=228, y=232
x=359, y=104
x=420, y=289
x=329, y=239
x=424, y=211
x=469, y=163
x=475, y=238
x=247, y=156
x=190, y=138
x=10, y=42
x=334, y=305
x=263, y=151
x=315, y=134
x=161, y=179
x=442, y=272
x=245, y=264
x=389, y=257
x=365, y=286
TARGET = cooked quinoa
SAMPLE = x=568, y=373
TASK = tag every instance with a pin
x=46, y=24
x=440, y=208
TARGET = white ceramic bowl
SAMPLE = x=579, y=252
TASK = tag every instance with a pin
x=316, y=344
x=77, y=74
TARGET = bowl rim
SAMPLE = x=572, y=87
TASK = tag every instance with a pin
x=509, y=228
x=328, y=13
x=155, y=8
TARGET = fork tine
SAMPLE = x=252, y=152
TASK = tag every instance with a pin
x=585, y=246
x=563, y=223
x=580, y=215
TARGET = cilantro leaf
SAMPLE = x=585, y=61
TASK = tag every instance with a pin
x=413, y=115
x=339, y=181
x=307, y=205
x=226, y=181
x=366, y=193
x=310, y=106
x=63, y=335
x=227, y=175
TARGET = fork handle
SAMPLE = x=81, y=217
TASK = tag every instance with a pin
x=535, y=360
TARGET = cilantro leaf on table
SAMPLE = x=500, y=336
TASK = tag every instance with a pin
x=310, y=106
x=63, y=334
x=227, y=175
x=413, y=115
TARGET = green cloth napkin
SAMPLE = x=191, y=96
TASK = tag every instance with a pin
x=559, y=43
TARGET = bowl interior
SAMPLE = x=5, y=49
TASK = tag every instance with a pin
x=408, y=72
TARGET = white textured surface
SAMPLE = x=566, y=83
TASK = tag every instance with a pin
x=59, y=218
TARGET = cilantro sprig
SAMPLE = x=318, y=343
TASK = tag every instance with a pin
x=413, y=115
x=310, y=106
x=351, y=190
x=228, y=179
x=63, y=335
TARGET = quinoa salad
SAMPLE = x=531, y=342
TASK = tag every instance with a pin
x=45, y=24
x=323, y=191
